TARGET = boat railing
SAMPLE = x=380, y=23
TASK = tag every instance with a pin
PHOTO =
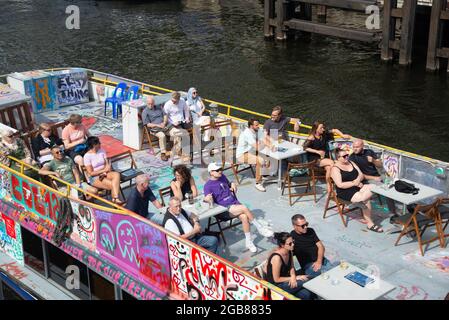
x=160, y=266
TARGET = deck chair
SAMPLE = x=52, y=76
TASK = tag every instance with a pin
x=259, y=270
x=164, y=192
x=341, y=205
x=127, y=175
x=118, y=96
x=443, y=219
x=422, y=217
x=308, y=181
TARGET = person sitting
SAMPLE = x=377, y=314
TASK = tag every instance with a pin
x=187, y=226
x=198, y=111
x=308, y=249
x=348, y=180
x=281, y=271
x=140, y=195
x=183, y=183
x=43, y=142
x=366, y=160
x=316, y=145
x=74, y=136
x=156, y=121
x=248, y=146
x=218, y=189
x=179, y=117
x=99, y=169
x=63, y=168
x=11, y=145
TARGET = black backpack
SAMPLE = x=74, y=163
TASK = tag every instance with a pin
x=405, y=187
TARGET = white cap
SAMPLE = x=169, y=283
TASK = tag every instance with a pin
x=213, y=166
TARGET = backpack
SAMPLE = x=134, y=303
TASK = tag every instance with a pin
x=405, y=187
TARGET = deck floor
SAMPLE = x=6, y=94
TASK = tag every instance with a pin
x=415, y=277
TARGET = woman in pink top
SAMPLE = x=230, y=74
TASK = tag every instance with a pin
x=99, y=169
x=74, y=137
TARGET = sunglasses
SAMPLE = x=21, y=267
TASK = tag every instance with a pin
x=302, y=225
x=58, y=152
x=218, y=170
x=193, y=92
x=47, y=130
x=290, y=243
x=346, y=156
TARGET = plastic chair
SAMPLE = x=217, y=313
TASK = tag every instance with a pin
x=133, y=93
x=115, y=100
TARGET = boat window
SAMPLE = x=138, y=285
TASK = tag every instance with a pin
x=59, y=261
x=32, y=250
x=7, y=293
x=100, y=288
x=127, y=296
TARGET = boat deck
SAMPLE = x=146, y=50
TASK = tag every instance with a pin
x=415, y=277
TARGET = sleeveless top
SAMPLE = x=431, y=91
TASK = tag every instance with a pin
x=285, y=268
x=346, y=194
x=318, y=144
x=185, y=188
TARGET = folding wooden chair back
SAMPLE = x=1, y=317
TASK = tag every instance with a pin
x=127, y=175
x=341, y=205
x=307, y=180
x=148, y=136
x=164, y=192
x=260, y=270
x=18, y=117
x=422, y=217
x=443, y=218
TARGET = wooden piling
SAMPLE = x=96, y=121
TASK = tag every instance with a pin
x=388, y=29
x=280, y=19
x=435, y=34
x=407, y=30
x=268, y=18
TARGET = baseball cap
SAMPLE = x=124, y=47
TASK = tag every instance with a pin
x=213, y=167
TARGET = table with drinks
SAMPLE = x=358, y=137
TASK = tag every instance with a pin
x=335, y=284
x=388, y=190
x=281, y=150
x=202, y=209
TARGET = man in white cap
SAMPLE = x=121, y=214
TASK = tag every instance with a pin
x=219, y=190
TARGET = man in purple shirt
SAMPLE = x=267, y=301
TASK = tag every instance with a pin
x=219, y=190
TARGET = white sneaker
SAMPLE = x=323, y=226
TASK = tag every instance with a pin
x=251, y=247
x=265, y=232
x=260, y=187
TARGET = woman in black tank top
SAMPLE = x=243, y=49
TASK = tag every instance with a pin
x=280, y=269
x=182, y=183
x=348, y=178
x=316, y=146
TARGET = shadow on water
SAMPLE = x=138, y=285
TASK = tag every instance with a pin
x=218, y=46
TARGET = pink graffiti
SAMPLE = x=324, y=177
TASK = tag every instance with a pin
x=413, y=293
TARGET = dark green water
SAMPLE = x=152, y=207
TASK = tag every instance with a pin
x=218, y=47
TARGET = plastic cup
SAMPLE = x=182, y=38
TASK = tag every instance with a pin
x=344, y=265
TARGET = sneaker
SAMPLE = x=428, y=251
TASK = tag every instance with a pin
x=164, y=157
x=265, y=232
x=260, y=187
x=251, y=247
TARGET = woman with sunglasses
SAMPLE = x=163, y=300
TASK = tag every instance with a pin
x=12, y=146
x=198, y=111
x=281, y=271
x=316, y=145
x=43, y=143
x=348, y=181
x=99, y=169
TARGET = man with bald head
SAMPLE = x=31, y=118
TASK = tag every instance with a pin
x=366, y=160
x=140, y=196
x=154, y=118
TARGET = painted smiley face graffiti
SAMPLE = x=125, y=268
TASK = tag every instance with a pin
x=127, y=241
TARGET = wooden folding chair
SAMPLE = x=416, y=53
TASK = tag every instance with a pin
x=130, y=173
x=443, y=218
x=164, y=192
x=223, y=218
x=147, y=135
x=260, y=270
x=341, y=205
x=308, y=181
x=422, y=217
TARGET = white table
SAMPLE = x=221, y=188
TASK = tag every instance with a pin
x=292, y=149
x=199, y=208
x=337, y=287
x=406, y=198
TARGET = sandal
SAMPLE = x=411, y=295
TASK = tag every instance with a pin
x=375, y=228
x=117, y=201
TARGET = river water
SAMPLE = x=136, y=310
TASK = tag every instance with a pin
x=218, y=47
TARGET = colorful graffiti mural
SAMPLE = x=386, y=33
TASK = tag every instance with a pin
x=71, y=87
x=11, y=238
x=391, y=165
x=134, y=246
x=198, y=276
x=34, y=198
x=42, y=92
x=84, y=229
x=5, y=185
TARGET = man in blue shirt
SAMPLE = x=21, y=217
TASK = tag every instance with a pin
x=140, y=195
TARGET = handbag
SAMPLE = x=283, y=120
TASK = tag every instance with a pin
x=405, y=187
x=80, y=147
